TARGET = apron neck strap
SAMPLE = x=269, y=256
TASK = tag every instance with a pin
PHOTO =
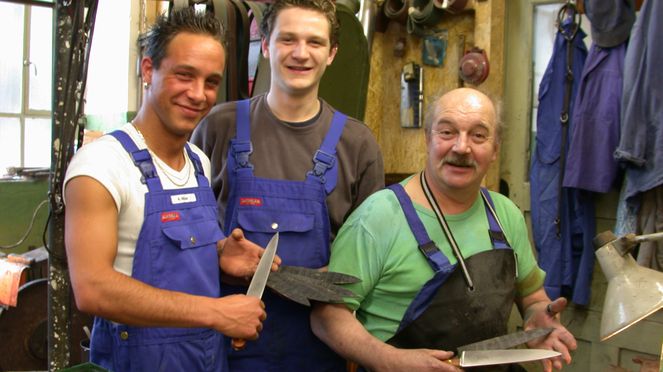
x=445, y=228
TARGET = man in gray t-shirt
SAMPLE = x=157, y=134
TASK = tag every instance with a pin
x=287, y=161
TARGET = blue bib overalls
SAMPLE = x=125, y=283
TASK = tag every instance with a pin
x=176, y=250
x=298, y=211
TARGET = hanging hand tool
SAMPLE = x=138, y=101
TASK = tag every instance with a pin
x=412, y=96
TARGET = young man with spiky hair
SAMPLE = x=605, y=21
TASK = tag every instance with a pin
x=143, y=243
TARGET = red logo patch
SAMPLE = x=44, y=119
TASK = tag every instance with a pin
x=170, y=216
x=256, y=202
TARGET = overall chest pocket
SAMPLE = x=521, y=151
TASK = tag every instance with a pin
x=302, y=242
x=269, y=222
x=185, y=259
x=193, y=234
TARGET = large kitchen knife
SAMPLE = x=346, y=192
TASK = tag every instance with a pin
x=259, y=280
x=507, y=341
x=476, y=358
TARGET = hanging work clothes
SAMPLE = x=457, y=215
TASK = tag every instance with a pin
x=590, y=163
x=565, y=248
x=611, y=21
x=650, y=221
x=640, y=147
x=627, y=213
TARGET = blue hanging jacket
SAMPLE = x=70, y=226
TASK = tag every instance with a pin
x=565, y=250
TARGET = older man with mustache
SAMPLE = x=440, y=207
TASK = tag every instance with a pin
x=441, y=260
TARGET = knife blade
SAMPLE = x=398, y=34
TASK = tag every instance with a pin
x=507, y=341
x=302, y=284
x=476, y=358
x=259, y=280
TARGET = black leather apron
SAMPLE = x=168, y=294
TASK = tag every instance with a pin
x=447, y=313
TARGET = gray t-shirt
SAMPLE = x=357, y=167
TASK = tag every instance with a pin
x=285, y=151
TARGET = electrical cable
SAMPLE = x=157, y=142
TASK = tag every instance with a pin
x=32, y=222
x=44, y=237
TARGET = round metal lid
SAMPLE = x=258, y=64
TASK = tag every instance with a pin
x=474, y=66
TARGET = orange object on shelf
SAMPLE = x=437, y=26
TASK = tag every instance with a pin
x=11, y=279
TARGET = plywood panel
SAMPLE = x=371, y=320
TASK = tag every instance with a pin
x=481, y=25
x=489, y=34
x=404, y=149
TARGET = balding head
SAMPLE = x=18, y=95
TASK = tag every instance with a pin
x=462, y=142
x=465, y=100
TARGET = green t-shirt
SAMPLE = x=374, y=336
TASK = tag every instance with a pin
x=376, y=245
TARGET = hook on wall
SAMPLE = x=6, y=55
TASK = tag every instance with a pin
x=569, y=11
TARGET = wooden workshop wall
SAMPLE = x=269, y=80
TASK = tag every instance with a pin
x=481, y=24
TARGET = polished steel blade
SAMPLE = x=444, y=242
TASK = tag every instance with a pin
x=475, y=358
x=507, y=341
x=259, y=280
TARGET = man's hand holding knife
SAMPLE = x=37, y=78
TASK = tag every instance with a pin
x=239, y=259
x=546, y=314
x=259, y=281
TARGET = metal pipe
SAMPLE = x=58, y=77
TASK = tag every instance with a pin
x=649, y=237
x=367, y=13
x=73, y=25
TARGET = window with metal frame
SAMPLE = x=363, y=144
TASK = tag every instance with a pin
x=26, y=78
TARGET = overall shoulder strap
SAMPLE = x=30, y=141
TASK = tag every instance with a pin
x=240, y=146
x=325, y=167
x=495, y=229
x=436, y=259
x=142, y=160
x=197, y=164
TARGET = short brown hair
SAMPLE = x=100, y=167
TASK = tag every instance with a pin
x=326, y=7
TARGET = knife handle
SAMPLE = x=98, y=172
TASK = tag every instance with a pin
x=238, y=343
x=454, y=362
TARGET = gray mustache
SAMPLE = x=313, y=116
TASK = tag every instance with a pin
x=459, y=161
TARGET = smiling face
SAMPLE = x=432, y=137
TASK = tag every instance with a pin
x=184, y=87
x=462, y=141
x=299, y=51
